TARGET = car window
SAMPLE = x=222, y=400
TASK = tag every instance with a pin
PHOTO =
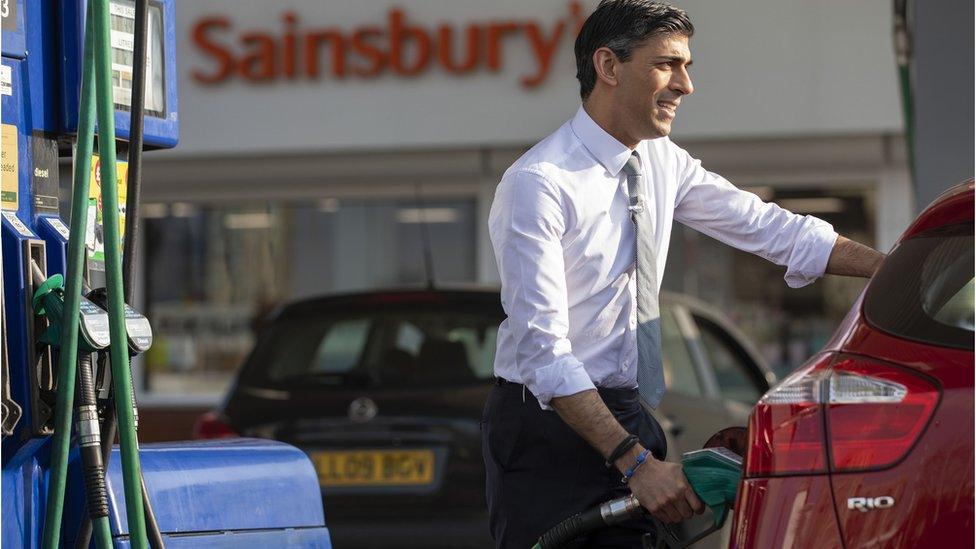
x=734, y=370
x=390, y=347
x=679, y=367
x=479, y=345
x=924, y=289
x=409, y=338
x=342, y=346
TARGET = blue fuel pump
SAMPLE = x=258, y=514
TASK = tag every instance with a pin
x=274, y=497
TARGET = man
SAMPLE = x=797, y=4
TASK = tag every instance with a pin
x=580, y=226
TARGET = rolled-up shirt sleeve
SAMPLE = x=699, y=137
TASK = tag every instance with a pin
x=526, y=225
x=708, y=203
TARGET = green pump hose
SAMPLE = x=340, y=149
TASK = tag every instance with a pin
x=48, y=301
x=96, y=77
x=119, y=352
x=903, y=57
x=68, y=357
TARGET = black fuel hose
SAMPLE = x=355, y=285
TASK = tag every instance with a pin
x=86, y=428
x=108, y=432
x=582, y=523
x=572, y=528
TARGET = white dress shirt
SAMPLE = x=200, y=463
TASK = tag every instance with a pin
x=565, y=249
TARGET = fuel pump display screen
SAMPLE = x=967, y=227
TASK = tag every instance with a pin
x=123, y=16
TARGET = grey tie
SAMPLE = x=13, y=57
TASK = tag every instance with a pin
x=650, y=377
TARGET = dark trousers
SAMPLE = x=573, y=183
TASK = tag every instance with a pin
x=539, y=471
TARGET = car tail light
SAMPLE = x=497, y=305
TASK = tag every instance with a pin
x=786, y=432
x=868, y=414
x=876, y=412
x=211, y=425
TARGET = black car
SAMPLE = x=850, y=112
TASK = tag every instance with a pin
x=385, y=391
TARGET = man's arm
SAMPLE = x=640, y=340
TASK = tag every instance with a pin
x=807, y=246
x=659, y=486
x=849, y=258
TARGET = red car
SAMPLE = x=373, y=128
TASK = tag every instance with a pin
x=870, y=443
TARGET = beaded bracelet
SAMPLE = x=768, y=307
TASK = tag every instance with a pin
x=621, y=449
x=640, y=461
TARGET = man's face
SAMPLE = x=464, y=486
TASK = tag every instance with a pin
x=653, y=82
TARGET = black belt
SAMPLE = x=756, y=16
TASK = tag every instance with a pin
x=501, y=382
x=612, y=392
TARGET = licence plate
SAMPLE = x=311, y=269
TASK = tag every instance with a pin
x=374, y=467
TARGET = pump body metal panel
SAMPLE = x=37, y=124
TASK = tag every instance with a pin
x=216, y=493
x=300, y=538
x=15, y=116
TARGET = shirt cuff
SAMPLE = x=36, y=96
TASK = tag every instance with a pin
x=808, y=262
x=564, y=377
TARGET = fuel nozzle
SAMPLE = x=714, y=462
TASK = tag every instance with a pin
x=139, y=337
x=93, y=331
x=137, y=328
x=48, y=301
x=713, y=474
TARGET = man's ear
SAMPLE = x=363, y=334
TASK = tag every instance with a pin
x=607, y=66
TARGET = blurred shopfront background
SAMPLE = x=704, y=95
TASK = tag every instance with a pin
x=319, y=139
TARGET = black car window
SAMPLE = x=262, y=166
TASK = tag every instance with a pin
x=341, y=346
x=734, y=371
x=924, y=289
x=679, y=367
x=392, y=347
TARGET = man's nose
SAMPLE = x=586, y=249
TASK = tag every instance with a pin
x=681, y=82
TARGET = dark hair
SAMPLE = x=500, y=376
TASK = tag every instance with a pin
x=623, y=25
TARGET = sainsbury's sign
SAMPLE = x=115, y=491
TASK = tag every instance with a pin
x=396, y=45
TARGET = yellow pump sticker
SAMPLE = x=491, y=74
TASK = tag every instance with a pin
x=94, y=236
x=8, y=159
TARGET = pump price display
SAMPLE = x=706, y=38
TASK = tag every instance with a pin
x=374, y=467
x=123, y=15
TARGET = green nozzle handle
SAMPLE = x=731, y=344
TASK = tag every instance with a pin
x=714, y=475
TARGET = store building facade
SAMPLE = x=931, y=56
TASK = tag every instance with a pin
x=319, y=138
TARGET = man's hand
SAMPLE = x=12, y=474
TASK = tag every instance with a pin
x=661, y=488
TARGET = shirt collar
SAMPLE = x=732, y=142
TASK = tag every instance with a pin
x=612, y=154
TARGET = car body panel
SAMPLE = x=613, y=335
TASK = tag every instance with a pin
x=932, y=489
x=785, y=512
x=953, y=206
x=933, y=486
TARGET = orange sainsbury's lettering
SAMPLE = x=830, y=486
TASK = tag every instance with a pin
x=223, y=57
x=259, y=64
x=336, y=41
x=543, y=50
x=399, y=45
x=403, y=39
x=363, y=43
x=445, y=50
